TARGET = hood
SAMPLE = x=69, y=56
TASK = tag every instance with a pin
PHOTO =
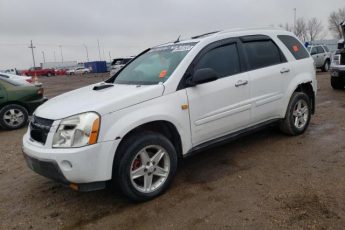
x=101, y=101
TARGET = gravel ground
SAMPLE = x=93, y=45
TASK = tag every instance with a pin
x=263, y=181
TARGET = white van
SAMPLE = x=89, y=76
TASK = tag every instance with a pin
x=171, y=101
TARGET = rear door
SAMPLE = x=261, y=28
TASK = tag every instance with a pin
x=3, y=94
x=267, y=68
x=221, y=106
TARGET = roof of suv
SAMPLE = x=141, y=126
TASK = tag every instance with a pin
x=232, y=33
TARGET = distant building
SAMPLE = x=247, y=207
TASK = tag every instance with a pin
x=332, y=44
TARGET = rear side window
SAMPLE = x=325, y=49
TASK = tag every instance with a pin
x=223, y=59
x=295, y=47
x=262, y=54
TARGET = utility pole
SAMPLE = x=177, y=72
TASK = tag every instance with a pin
x=99, y=50
x=54, y=56
x=294, y=19
x=110, y=57
x=61, y=53
x=32, y=47
x=44, y=58
x=87, y=53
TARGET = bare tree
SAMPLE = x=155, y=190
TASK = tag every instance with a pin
x=301, y=29
x=334, y=20
x=315, y=29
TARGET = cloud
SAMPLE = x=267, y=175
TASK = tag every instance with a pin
x=125, y=27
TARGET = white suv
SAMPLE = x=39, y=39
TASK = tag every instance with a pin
x=171, y=101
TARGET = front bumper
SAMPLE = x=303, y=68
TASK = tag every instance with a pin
x=51, y=170
x=80, y=166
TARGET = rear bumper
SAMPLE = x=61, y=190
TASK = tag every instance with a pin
x=32, y=105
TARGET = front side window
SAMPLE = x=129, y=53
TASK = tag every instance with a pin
x=262, y=54
x=224, y=60
x=320, y=50
x=154, y=66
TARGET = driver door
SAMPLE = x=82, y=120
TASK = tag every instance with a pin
x=222, y=106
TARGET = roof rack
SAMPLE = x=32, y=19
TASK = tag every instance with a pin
x=204, y=35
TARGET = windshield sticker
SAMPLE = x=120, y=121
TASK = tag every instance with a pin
x=174, y=48
x=163, y=73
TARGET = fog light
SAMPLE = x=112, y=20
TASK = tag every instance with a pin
x=66, y=165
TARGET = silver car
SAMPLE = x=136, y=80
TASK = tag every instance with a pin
x=321, y=56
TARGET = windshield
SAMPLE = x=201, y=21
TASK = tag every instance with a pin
x=154, y=66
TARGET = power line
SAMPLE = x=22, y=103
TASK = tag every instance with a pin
x=32, y=47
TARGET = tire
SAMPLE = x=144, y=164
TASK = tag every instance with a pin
x=49, y=75
x=297, y=115
x=337, y=83
x=13, y=117
x=132, y=157
x=326, y=65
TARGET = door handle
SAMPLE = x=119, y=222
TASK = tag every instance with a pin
x=241, y=82
x=284, y=70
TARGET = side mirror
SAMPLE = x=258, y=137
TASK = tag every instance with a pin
x=201, y=76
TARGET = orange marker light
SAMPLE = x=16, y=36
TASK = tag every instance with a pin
x=163, y=73
x=94, y=132
x=295, y=48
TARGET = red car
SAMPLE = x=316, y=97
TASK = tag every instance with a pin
x=38, y=71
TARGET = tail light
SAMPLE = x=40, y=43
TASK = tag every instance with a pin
x=40, y=91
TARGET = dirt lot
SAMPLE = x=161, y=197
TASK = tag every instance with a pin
x=263, y=181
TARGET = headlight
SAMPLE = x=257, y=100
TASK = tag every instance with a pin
x=77, y=131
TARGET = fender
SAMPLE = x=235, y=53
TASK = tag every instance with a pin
x=168, y=108
x=297, y=80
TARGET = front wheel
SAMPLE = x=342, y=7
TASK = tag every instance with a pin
x=13, y=117
x=337, y=83
x=145, y=166
x=298, y=115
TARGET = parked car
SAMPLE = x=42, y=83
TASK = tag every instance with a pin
x=338, y=64
x=60, y=72
x=38, y=71
x=11, y=71
x=18, y=100
x=171, y=101
x=79, y=70
x=118, y=64
x=20, y=79
x=321, y=56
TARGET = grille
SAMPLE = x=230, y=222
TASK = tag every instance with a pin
x=39, y=129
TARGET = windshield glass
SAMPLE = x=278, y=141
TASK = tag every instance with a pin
x=154, y=66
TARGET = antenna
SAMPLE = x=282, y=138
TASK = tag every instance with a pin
x=178, y=39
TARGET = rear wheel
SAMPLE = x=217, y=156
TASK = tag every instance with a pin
x=326, y=65
x=298, y=115
x=145, y=166
x=13, y=117
x=337, y=83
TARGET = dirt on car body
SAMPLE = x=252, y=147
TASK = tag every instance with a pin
x=263, y=181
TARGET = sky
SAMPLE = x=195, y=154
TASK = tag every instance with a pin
x=127, y=27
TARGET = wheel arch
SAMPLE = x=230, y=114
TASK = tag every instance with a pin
x=166, y=128
x=15, y=103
